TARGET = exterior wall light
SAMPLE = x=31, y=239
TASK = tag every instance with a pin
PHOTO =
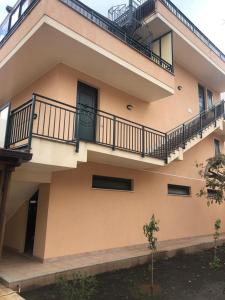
x=179, y=87
x=130, y=107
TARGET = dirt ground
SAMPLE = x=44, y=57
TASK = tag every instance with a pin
x=184, y=277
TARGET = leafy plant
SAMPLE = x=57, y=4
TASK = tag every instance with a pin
x=214, y=175
x=81, y=287
x=149, y=231
x=216, y=263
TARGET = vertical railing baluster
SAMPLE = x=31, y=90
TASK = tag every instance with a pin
x=39, y=116
x=143, y=141
x=201, y=124
x=77, y=128
x=114, y=133
x=31, y=124
x=166, y=148
x=183, y=142
x=215, y=115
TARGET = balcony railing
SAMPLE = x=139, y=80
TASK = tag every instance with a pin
x=47, y=118
x=193, y=28
x=15, y=18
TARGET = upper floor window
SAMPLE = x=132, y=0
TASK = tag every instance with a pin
x=210, y=99
x=163, y=47
x=217, y=147
x=201, y=95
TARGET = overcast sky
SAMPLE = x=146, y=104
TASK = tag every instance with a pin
x=208, y=15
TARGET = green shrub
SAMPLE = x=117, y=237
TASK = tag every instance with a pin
x=81, y=287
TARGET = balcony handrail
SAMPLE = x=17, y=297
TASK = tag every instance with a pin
x=109, y=26
x=189, y=24
x=99, y=111
x=17, y=109
x=59, y=121
x=197, y=116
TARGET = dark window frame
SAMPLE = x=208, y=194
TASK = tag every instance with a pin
x=209, y=97
x=186, y=190
x=112, y=183
x=211, y=193
x=217, y=147
x=201, y=87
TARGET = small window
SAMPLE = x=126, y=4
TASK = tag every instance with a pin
x=211, y=193
x=210, y=99
x=111, y=183
x=217, y=147
x=180, y=190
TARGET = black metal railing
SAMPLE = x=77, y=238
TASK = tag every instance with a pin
x=120, y=133
x=193, y=28
x=179, y=136
x=47, y=118
x=19, y=126
x=15, y=18
x=140, y=9
x=112, y=28
x=41, y=117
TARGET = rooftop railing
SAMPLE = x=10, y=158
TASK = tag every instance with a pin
x=54, y=120
x=18, y=13
x=193, y=28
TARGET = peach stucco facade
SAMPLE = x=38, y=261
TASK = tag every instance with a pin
x=72, y=217
x=61, y=83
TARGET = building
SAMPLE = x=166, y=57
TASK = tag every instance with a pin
x=115, y=111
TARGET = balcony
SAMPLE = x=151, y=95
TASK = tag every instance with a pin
x=43, y=118
x=207, y=62
x=69, y=32
x=23, y=8
x=173, y=9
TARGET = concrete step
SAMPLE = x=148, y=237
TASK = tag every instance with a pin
x=28, y=273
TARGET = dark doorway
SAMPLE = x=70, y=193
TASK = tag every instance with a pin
x=31, y=224
x=201, y=94
x=87, y=98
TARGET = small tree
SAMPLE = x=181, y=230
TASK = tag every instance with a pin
x=214, y=175
x=149, y=231
x=216, y=260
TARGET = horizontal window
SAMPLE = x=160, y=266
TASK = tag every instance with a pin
x=180, y=190
x=212, y=193
x=111, y=183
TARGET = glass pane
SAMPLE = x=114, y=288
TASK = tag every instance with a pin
x=3, y=124
x=4, y=28
x=217, y=147
x=25, y=6
x=111, y=183
x=179, y=190
x=210, y=99
x=15, y=17
x=201, y=93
